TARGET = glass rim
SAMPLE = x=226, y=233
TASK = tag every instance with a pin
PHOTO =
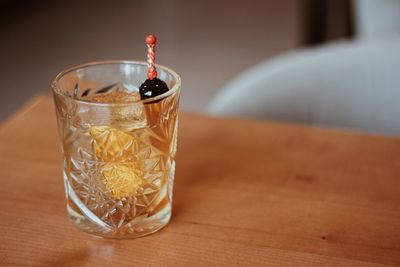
x=56, y=79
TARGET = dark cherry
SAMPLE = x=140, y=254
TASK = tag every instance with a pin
x=152, y=88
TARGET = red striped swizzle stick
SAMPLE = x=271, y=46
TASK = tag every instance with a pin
x=153, y=86
x=151, y=58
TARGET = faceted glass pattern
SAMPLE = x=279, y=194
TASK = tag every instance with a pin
x=118, y=151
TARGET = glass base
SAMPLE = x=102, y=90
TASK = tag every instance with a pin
x=140, y=226
x=100, y=214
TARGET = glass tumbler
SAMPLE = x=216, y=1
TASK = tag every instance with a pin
x=118, y=150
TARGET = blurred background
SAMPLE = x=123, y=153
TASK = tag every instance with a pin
x=327, y=62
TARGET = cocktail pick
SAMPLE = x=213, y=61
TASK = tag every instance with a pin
x=151, y=57
x=153, y=86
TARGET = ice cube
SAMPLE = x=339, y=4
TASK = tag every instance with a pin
x=125, y=110
x=118, y=95
x=111, y=144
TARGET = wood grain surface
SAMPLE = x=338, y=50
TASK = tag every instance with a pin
x=246, y=193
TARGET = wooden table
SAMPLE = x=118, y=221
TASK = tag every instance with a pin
x=246, y=193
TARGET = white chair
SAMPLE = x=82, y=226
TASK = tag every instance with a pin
x=347, y=84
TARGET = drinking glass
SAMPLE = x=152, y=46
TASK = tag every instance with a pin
x=118, y=150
